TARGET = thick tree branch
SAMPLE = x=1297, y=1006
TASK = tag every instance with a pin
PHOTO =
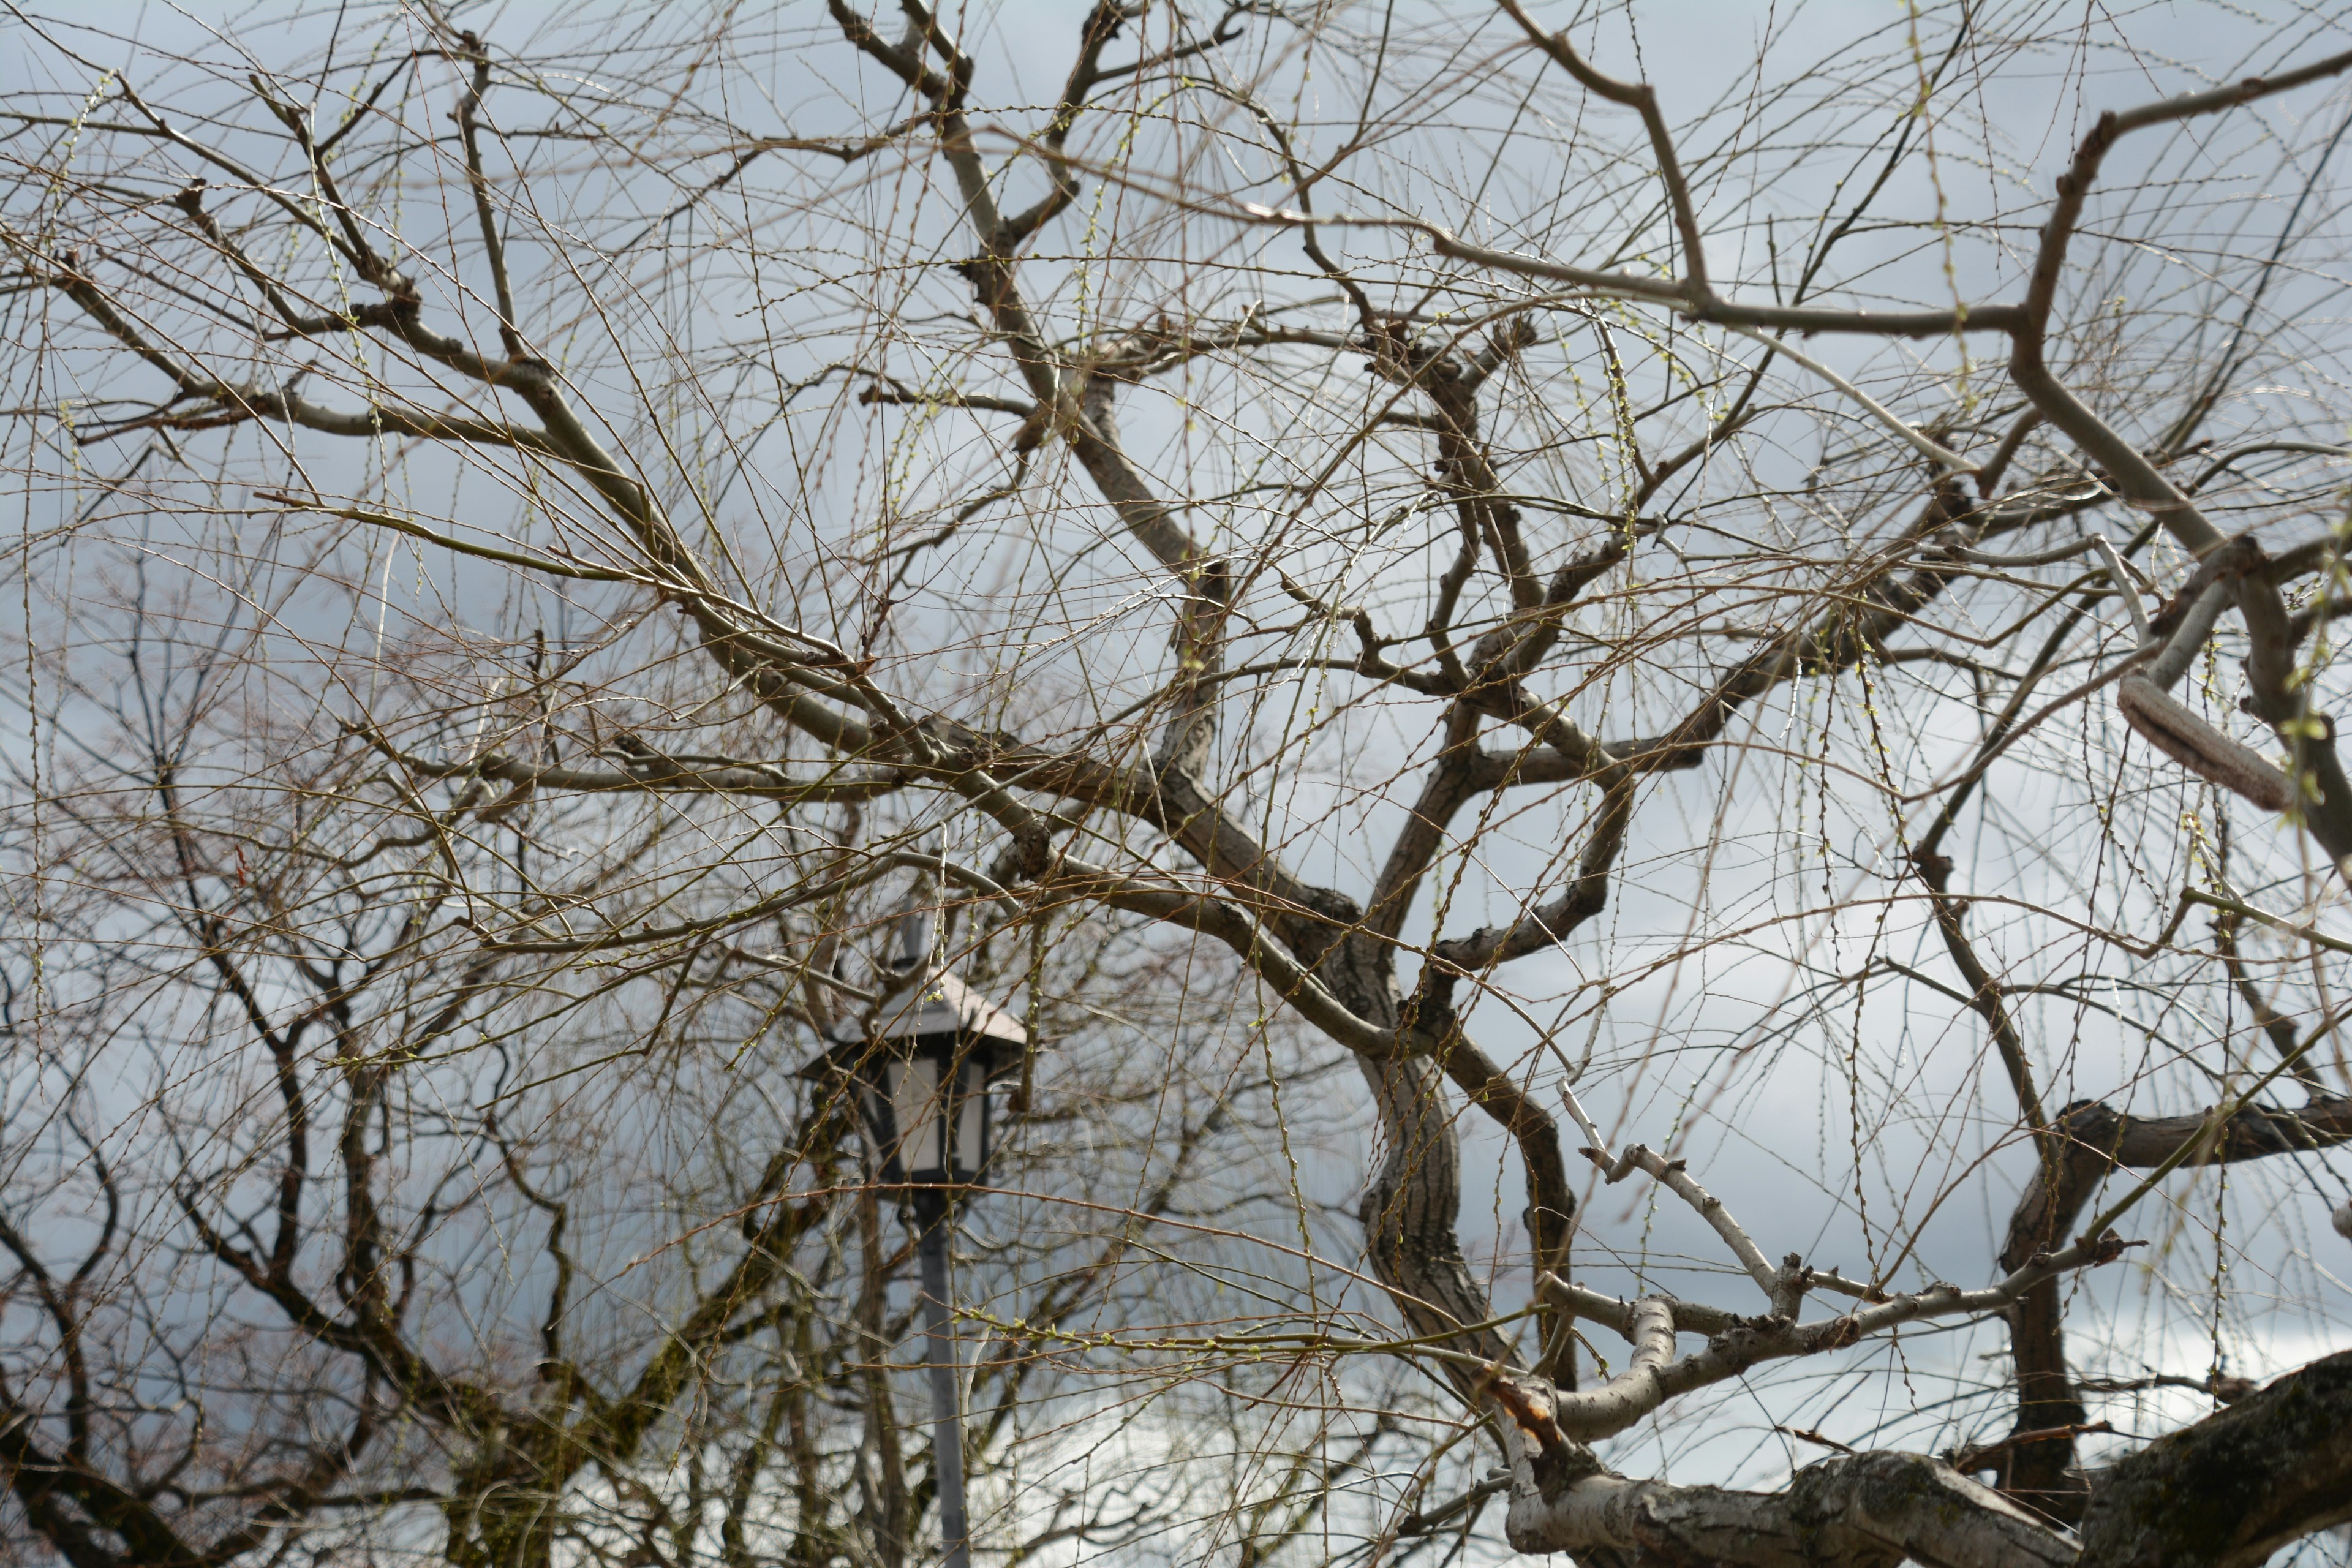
x=2237, y=1486
x=1871, y=1511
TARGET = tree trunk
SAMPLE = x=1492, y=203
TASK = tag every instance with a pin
x=1414, y=1199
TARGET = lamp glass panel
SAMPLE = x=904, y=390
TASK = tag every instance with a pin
x=971, y=1119
x=915, y=1099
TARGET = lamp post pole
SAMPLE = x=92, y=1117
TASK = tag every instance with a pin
x=919, y=1064
x=946, y=1370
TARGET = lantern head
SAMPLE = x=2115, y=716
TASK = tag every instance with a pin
x=920, y=1064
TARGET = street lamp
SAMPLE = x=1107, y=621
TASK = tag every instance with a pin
x=919, y=1064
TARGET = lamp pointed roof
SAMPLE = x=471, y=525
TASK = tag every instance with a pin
x=922, y=997
x=932, y=1001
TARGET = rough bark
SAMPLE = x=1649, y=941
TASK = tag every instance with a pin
x=1867, y=1510
x=2227, y=1492
x=2236, y=1487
